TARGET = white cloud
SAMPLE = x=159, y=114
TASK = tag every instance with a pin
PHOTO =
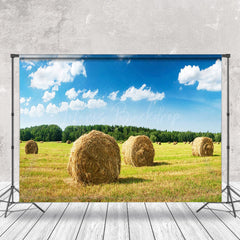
x=72, y=94
x=77, y=105
x=55, y=73
x=24, y=111
x=36, y=111
x=96, y=103
x=25, y=100
x=47, y=96
x=113, y=95
x=142, y=93
x=63, y=107
x=78, y=68
x=22, y=100
x=52, y=108
x=29, y=68
x=90, y=94
x=208, y=79
x=55, y=88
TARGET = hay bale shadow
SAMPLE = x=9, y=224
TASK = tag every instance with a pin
x=130, y=180
x=160, y=163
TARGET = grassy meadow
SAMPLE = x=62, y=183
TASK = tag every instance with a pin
x=176, y=176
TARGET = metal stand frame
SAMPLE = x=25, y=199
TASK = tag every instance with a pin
x=13, y=188
x=228, y=188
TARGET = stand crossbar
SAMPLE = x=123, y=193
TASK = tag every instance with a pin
x=13, y=188
x=228, y=188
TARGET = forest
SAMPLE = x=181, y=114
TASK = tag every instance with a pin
x=50, y=133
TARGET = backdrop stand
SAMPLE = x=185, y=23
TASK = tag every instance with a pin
x=13, y=188
x=228, y=188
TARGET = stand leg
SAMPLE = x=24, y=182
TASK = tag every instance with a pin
x=8, y=203
x=202, y=207
x=230, y=196
x=235, y=192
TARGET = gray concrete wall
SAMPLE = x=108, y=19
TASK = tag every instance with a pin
x=120, y=27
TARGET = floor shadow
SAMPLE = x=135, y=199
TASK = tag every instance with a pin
x=160, y=163
x=130, y=180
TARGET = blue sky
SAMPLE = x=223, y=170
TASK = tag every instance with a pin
x=167, y=94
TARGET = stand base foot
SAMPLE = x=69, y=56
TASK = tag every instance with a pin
x=11, y=199
x=229, y=199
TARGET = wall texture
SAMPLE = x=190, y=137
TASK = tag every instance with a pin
x=120, y=27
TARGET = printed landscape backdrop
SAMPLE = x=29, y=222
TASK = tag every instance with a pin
x=168, y=99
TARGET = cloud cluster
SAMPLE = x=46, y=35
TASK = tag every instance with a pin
x=35, y=111
x=74, y=105
x=90, y=94
x=142, y=93
x=55, y=73
x=47, y=96
x=72, y=94
x=28, y=65
x=25, y=100
x=208, y=79
x=113, y=95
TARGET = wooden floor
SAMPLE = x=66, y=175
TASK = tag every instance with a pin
x=138, y=221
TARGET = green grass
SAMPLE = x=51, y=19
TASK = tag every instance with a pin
x=176, y=176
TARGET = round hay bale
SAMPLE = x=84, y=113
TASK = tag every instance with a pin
x=41, y=141
x=138, y=151
x=95, y=158
x=174, y=143
x=68, y=141
x=31, y=147
x=169, y=142
x=20, y=141
x=202, y=146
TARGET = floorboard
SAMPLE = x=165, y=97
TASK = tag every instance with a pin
x=187, y=222
x=45, y=225
x=69, y=224
x=94, y=222
x=164, y=226
x=117, y=222
x=139, y=224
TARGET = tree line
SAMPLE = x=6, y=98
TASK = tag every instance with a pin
x=50, y=133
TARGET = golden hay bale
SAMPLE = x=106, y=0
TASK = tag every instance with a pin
x=59, y=141
x=41, y=141
x=202, y=146
x=68, y=141
x=218, y=143
x=169, y=142
x=20, y=141
x=138, y=151
x=174, y=143
x=31, y=147
x=159, y=143
x=95, y=158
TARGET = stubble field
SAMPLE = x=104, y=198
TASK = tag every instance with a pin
x=176, y=176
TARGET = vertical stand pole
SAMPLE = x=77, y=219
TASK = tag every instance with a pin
x=228, y=188
x=13, y=188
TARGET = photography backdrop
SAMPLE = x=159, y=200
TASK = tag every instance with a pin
x=169, y=98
